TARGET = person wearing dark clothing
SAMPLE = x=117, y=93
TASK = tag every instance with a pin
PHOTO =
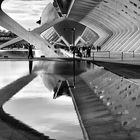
x=97, y=48
x=79, y=53
x=30, y=52
x=30, y=55
x=84, y=51
x=88, y=52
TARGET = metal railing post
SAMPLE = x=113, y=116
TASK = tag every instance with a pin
x=73, y=42
x=133, y=54
x=109, y=54
x=122, y=56
x=93, y=56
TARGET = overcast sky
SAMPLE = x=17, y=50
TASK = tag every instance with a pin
x=25, y=12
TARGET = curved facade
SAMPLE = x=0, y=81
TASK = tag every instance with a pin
x=114, y=25
x=115, y=21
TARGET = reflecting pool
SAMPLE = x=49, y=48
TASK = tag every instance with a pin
x=34, y=105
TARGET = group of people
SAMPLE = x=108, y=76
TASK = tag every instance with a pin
x=83, y=52
x=86, y=51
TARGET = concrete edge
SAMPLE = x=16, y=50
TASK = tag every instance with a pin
x=86, y=137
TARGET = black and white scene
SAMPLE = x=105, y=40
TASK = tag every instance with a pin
x=70, y=70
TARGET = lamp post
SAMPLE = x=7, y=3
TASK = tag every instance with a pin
x=73, y=43
x=28, y=35
x=73, y=32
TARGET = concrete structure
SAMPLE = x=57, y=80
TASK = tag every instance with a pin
x=114, y=25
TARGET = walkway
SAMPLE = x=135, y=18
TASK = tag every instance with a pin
x=117, y=57
x=126, y=65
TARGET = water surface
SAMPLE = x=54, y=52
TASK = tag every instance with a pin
x=34, y=105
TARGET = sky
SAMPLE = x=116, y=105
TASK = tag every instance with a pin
x=25, y=12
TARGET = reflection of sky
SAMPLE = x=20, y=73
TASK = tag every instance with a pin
x=34, y=105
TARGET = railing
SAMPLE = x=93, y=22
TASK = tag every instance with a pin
x=119, y=55
x=124, y=53
x=96, y=52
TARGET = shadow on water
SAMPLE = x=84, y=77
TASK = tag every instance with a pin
x=60, y=71
x=129, y=71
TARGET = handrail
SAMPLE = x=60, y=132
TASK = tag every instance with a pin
x=93, y=53
x=122, y=54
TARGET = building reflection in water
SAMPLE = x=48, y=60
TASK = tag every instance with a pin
x=34, y=105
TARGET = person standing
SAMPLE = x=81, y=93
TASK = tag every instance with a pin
x=30, y=55
x=30, y=52
x=97, y=48
x=88, y=52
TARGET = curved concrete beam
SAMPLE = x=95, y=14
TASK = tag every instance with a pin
x=31, y=37
x=121, y=15
x=38, y=31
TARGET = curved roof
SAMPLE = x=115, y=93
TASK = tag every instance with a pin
x=65, y=28
x=115, y=21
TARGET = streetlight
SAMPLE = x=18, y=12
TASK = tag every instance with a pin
x=73, y=42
